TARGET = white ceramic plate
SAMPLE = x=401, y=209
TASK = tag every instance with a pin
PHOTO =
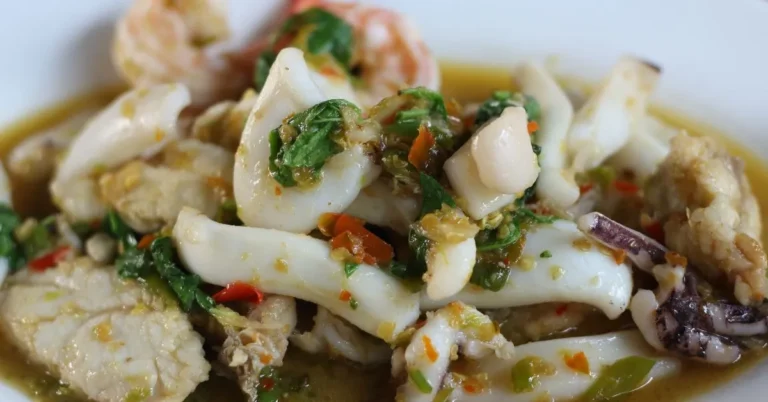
x=713, y=54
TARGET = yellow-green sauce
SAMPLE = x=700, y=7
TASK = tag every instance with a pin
x=335, y=380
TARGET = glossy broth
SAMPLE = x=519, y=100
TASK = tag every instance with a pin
x=333, y=380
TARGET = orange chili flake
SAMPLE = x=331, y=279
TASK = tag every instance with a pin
x=429, y=349
x=267, y=383
x=350, y=233
x=577, y=362
x=329, y=71
x=278, y=191
x=533, y=127
x=265, y=359
x=419, y=153
x=145, y=241
x=345, y=296
x=626, y=187
x=585, y=187
x=675, y=259
x=472, y=386
x=619, y=256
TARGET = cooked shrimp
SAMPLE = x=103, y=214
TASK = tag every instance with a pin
x=390, y=51
x=159, y=41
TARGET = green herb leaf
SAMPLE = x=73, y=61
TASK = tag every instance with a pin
x=435, y=101
x=316, y=131
x=618, y=379
x=9, y=247
x=509, y=233
x=491, y=276
x=443, y=395
x=421, y=382
x=546, y=254
x=40, y=238
x=273, y=384
x=134, y=263
x=350, y=268
x=323, y=32
x=353, y=304
x=527, y=371
x=434, y=195
x=115, y=226
x=263, y=64
x=227, y=213
x=500, y=100
x=184, y=285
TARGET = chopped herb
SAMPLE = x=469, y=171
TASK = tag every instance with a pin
x=9, y=247
x=500, y=100
x=421, y=382
x=134, y=263
x=620, y=378
x=227, y=213
x=118, y=229
x=304, y=142
x=273, y=384
x=353, y=304
x=350, y=268
x=434, y=195
x=509, y=233
x=443, y=395
x=489, y=276
x=545, y=254
x=527, y=371
x=40, y=238
x=82, y=229
x=315, y=31
x=184, y=285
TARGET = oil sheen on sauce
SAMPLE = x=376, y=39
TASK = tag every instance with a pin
x=334, y=380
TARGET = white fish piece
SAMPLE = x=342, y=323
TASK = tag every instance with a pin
x=567, y=384
x=137, y=124
x=111, y=339
x=5, y=188
x=449, y=267
x=80, y=199
x=334, y=87
x=503, y=153
x=604, y=124
x=556, y=185
x=570, y=275
x=337, y=337
x=648, y=145
x=377, y=204
x=294, y=265
x=289, y=89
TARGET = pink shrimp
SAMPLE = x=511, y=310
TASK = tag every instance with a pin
x=161, y=41
x=389, y=50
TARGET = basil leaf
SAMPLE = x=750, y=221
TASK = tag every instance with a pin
x=500, y=100
x=316, y=130
x=273, y=384
x=184, y=285
x=115, y=226
x=435, y=101
x=134, y=263
x=40, y=238
x=322, y=32
x=509, y=233
x=9, y=247
x=491, y=276
x=434, y=195
x=263, y=64
x=620, y=378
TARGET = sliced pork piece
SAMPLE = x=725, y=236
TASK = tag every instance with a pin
x=262, y=343
x=710, y=215
x=114, y=340
x=148, y=197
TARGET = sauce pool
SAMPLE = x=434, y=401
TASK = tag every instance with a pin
x=335, y=380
